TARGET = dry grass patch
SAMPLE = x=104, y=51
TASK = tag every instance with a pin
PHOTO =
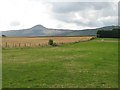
x=39, y=41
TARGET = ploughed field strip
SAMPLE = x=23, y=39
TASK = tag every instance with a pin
x=38, y=41
x=90, y=64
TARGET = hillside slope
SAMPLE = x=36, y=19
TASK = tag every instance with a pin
x=40, y=30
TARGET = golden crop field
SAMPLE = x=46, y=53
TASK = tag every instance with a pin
x=39, y=41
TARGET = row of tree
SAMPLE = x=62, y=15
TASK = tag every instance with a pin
x=115, y=33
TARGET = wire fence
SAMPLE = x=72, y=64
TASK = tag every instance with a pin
x=31, y=44
x=19, y=45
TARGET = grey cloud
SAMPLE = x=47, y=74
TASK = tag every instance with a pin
x=15, y=23
x=101, y=5
x=112, y=21
x=34, y=0
x=92, y=11
x=66, y=7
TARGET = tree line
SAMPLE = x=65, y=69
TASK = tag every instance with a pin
x=114, y=33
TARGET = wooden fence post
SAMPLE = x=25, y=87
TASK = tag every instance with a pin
x=25, y=44
x=19, y=45
x=6, y=44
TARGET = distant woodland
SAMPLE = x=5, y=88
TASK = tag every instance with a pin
x=114, y=33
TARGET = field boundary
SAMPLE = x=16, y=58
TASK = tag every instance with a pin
x=11, y=44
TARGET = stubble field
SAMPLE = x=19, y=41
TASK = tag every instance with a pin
x=39, y=41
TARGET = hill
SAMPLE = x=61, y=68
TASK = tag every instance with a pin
x=40, y=30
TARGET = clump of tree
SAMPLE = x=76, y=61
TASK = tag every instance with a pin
x=52, y=43
x=115, y=33
x=3, y=35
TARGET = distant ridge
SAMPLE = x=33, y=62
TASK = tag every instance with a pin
x=38, y=27
x=40, y=30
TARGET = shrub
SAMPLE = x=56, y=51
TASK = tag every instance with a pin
x=3, y=35
x=50, y=42
x=55, y=44
x=92, y=38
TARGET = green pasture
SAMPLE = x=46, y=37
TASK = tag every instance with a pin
x=90, y=64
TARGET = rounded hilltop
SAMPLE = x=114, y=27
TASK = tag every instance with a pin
x=36, y=27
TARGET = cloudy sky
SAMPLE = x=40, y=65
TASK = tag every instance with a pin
x=21, y=14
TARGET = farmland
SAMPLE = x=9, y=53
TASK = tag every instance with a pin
x=91, y=64
x=38, y=41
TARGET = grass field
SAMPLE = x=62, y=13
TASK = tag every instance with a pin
x=92, y=64
x=38, y=41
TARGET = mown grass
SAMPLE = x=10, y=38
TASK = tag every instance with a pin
x=89, y=64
